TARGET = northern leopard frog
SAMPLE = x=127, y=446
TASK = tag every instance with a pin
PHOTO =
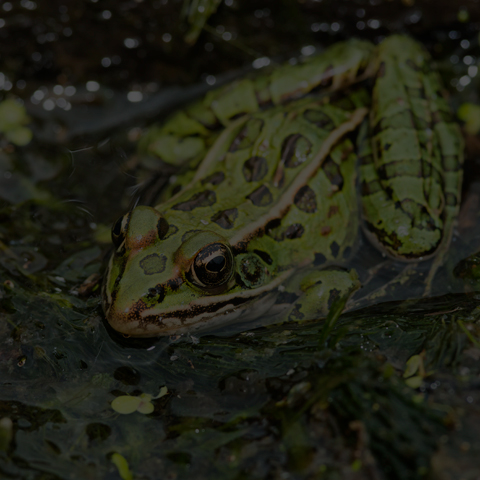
x=266, y=205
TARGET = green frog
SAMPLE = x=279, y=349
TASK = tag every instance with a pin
x=277, y=173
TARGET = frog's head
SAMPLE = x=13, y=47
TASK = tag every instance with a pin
x=163, y=279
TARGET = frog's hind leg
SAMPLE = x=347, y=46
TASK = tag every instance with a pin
x=411, y=168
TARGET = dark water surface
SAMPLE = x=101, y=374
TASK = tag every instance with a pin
x=385, y=392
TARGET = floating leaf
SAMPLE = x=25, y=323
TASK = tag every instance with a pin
x=414, y=382
x=122, y=465
x=126, y=404
x=413, y=365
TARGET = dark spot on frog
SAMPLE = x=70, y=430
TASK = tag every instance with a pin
x=272, y=225
x=387, y=146
x=261, y=197
x=225, y=218
x=240, y=247
x=286, y=297
x=215, y=178
x=295, y=150
x=334, y=294
x=252, y=271
x=333, y=210
x=371, y=187
x=347, y=253
x=207, y=198
x=319, y=259
x=291, y=232
x=162, y=228
x=332, y=171
x=319, y=118
x=174, y=284
x=255, y=168
x=264, y=256
x=247, y=135
x=153, y=263
x=334, y=248
x=305, y=200
x=325, y=230
x=157, y=293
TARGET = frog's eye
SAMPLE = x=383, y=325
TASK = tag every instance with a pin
x=213, y=266
x=119, y=230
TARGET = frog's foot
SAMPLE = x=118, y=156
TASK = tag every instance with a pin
x=319, y=290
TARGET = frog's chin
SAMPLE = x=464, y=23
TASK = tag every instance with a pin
x=138, y=322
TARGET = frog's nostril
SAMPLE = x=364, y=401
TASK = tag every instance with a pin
x=156, y=293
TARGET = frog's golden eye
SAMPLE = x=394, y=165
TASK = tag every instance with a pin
x=213, y=266
x=119, y=230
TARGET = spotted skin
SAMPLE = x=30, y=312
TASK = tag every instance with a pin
x=267, y=186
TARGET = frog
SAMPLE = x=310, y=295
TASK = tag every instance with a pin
x=278, y=175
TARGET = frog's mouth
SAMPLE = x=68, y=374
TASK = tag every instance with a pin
x=204, y=313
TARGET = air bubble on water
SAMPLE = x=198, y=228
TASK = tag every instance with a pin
x=465, y=80
x=48, y=104
x=260, y=62
x=134, y=96
x=131, y=42
x=308, y=50
x=92, y=86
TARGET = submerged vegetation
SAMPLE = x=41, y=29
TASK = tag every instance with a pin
x=388, y=391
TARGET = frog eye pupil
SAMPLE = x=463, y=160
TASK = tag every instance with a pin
x=213, y=266
x=117, y=227
x=216, y=264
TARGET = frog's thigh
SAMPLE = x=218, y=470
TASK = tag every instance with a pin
x=319, y=289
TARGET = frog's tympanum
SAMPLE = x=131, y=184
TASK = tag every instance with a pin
x=277, y=173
